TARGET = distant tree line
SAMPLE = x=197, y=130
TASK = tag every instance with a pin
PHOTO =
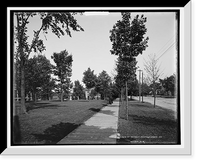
x=165, y=87
x=41, y=84
x=99, y=85
x=43, y=80
x=168, y=86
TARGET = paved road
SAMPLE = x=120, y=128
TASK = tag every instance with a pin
x=169, y=103
x=99, y=129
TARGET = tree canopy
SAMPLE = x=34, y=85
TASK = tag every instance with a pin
x=169, y=84
x=127, y=37
x=63, y=69
x=103, y=84
x=37, y=73
x=78, y=90
x=89, y=78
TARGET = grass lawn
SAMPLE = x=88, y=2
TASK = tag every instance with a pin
x=48, y=122
x=146, y=124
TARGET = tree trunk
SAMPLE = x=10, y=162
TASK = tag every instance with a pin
x=49, y=96
x=34, y=95
x=16, y=126
x=61, y=96
x=104, y=95
x=126, y=101
x=121, y=94
x=23, y=107
x=154, y=95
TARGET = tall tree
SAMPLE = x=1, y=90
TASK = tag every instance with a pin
x=78, y=90
x=63, y=69
x=103, y=84
x=153, y=73
x=37, y=73
x=59, y=23
x=89, y=78
x=127, y=37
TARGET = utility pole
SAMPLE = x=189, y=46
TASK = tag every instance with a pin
x=139, y=84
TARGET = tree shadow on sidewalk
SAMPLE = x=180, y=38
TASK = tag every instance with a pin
x=55, y=133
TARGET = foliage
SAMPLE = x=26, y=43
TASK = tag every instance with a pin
x=133, y=86
x=89, y=78
x=145, y=89
x=78, y=90
x=37, y=72
x=58, y=22
x=169, y=84
x=93, y=93
x=63, y=69
x=103, y=84
x=114, y=90
x=125, y=71
x=127, y=37
x=47, y=89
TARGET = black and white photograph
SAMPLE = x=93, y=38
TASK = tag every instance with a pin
x=96, y=77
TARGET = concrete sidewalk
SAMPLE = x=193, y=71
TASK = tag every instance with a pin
x=101, y=128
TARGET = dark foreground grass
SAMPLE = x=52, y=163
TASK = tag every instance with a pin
x=48, y=122
x=147, y=125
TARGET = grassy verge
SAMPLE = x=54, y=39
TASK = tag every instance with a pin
x=146, y=124
x=48, y=122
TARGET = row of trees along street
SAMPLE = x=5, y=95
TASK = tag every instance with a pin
x=34, y=75
x=39, y=81
x=128, y=41
x=38, y=77
x=40, y=84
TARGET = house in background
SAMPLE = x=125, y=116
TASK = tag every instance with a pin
x=87, y=93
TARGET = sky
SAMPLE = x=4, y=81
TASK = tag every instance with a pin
x=91, y=47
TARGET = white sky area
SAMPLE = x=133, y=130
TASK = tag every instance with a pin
x=91, y=47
